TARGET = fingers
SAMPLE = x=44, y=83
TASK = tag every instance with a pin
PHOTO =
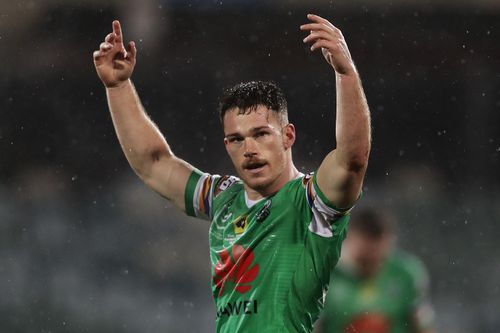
x=97, y=56
x=313, y=36
x=117, y=30
x=320, y=26
x=321, y=31
x=131, y=51
x=105, y=46
x=104, y=49
x=312, y=26
x=325, y=36
x=321, y=43
x=318, y=19
x=110, y=38
x=113, y=45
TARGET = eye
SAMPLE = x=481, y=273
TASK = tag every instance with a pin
x=260, y=134
x=235, y=139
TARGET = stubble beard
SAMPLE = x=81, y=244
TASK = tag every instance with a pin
x=265, y=185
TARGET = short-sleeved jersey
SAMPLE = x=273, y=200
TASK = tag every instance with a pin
x=271, y=260
x=394, y=301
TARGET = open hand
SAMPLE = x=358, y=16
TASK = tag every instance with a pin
x=324, y=35
x=114, y=63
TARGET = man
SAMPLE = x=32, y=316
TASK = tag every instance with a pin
x=275, y=233
x=376, y=289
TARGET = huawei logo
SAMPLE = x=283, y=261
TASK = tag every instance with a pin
x=235, y=271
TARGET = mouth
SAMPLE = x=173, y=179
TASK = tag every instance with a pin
x=254, y=167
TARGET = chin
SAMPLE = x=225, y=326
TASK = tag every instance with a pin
x=258, y=184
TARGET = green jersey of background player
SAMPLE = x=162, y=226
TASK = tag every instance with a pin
x=375, y=288
x=275, y=233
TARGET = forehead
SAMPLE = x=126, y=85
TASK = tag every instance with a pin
x=237, y=120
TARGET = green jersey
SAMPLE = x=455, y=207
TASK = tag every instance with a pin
x=394, y=301
x=271, y=259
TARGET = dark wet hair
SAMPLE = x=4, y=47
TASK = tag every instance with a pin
x=246, y=96
x=372, y=223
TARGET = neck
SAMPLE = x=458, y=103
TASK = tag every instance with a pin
x=288, y=174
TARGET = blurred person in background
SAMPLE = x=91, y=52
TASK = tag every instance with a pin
x=275, y=232
x=376, y=288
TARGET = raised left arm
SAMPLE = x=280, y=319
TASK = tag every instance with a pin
x=340, y=175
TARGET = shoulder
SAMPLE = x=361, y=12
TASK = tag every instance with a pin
x=295, y=191
x=225, y=189
x=301, y=183
x=224, y=183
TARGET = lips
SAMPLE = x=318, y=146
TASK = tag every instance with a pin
x=254, y=166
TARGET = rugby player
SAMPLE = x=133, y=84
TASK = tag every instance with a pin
x=275, y=233
x=376, y=288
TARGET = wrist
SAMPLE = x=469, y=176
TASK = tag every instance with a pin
x=351, y=75
x=118, y=85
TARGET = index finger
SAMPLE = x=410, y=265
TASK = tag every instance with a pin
x=117, y=29
x=313, y=26
x=318, y=19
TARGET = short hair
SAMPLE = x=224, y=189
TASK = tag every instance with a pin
x=372, y=223
x=247, y=96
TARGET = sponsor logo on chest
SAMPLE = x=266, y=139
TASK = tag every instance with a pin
x=238, y=308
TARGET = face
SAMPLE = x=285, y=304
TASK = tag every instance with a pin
x=259, y=147
x=367, y=253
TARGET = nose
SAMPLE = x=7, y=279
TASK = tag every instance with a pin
x=250, y=147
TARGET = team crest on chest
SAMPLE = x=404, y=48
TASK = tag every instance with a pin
x=240, y=224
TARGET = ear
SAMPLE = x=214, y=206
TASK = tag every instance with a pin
x=288, y=136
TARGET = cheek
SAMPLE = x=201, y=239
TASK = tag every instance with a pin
x=235, y=158
x=275, y=148
x=232, y=153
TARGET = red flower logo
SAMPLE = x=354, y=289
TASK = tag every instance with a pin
x=235, y=271
x=369, y=323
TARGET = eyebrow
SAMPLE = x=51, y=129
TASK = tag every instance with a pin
x=253, y=130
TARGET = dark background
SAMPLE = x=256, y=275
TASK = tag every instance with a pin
x=86, y=247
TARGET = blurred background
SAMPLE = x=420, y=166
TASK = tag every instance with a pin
x=86, y=247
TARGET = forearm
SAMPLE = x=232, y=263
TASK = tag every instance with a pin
x=353, y=134
x=140, y=139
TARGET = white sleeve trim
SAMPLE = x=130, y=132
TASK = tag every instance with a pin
x=198, y=211
x=323, y=215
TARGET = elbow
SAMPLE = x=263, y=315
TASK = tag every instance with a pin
x=144, y=165
x=357, y=160
x=156, y=154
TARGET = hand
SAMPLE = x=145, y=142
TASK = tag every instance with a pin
x=115, y=64
x=326, y=36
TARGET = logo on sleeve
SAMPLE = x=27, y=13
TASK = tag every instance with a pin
x=224, y=183
x=235, y=271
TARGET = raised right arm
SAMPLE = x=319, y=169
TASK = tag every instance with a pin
x=146, y=149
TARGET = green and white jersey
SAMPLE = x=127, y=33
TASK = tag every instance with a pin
x=271, y=259
x=394, y=301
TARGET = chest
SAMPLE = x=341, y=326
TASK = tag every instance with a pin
x=269, y=223
x=253, y=246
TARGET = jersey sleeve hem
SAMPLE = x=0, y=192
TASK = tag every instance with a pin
x=324, y=199
x=189, y=192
